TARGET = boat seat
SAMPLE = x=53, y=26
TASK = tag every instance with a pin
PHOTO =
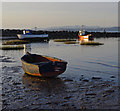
x=35, y=59
x=42, y=63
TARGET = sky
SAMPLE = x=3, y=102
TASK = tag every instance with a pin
x=55, y=14
x=60, y=0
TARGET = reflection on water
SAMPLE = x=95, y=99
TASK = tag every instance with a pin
x=27, y=48
x=45, y=85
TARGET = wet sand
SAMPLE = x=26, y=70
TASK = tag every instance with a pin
x=21, y=91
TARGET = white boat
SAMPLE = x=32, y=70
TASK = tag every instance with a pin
x=83, y=37
x=22, y=36
x=27, y=35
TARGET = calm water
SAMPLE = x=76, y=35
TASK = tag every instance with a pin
x=69, y=89
x=100, y=61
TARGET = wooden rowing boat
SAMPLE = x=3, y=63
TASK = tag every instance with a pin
x=43, y=66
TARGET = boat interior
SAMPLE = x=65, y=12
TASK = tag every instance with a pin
x=33, y=58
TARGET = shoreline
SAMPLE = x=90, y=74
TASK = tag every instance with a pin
x=21, y=91
x=12, y=34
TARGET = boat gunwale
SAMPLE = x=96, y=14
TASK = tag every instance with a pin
x=60, y=60
x=30, y=63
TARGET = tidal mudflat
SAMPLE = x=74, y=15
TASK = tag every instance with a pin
x=90, y=81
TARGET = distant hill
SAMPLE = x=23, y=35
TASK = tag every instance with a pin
x=87, y=28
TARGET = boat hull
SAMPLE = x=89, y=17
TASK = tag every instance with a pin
x=23, y=36
x=44, y=69
x=85, y=37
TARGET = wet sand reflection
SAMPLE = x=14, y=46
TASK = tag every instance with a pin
x=44, y=85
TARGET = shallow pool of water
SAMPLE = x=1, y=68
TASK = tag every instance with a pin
x=89, y=61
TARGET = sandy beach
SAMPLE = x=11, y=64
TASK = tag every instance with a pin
x=20, y=91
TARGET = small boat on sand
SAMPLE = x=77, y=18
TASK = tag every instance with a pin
x=43, y=66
